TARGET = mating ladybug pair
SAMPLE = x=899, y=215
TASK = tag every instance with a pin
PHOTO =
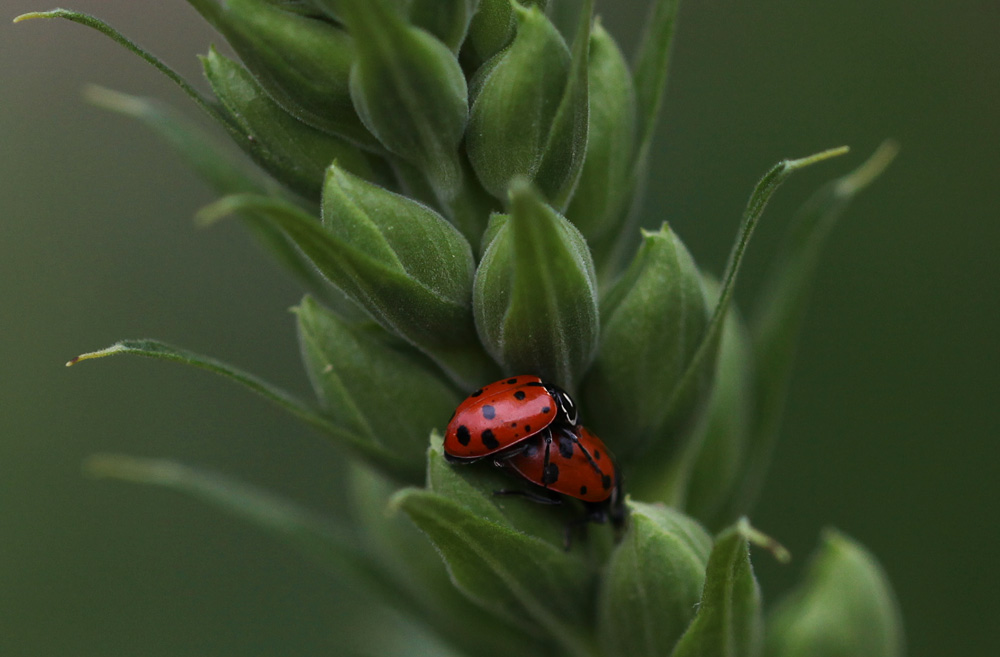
x=531, y=428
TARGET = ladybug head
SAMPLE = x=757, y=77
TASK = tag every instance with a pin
x=567, y=407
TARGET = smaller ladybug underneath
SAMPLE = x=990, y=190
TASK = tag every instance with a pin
x=530, y=429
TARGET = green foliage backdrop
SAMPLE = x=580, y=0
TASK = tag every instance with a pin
x=892, y=422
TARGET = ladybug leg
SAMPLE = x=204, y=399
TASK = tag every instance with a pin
x=593, y=512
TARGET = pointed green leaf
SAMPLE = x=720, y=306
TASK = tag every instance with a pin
x=535, y=294
x=210, y=107
x=302, y=63
x=163, y=351
x=388, y=393
x=728, y=623
x=597, y=207
x=653, y=582
x=515, y=101
x=777, y=319
x=652, y=321
x=409, y=91
x=845, y=607
x=694, y=381
x=652, y=63
x=387, y=461
x=410, y=308
x=521, y=578
x=292, y=151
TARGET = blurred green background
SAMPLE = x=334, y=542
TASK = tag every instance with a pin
x=892, y=425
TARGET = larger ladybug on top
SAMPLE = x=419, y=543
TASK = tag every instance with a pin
x=503, y=414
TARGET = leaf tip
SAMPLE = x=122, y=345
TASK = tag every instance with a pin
x=129, y=468
x=215, y=212
x=762, y=540
x=869, y=170
x=33, y=14
x=817, y=157
x=100, y=353
x=115, y=101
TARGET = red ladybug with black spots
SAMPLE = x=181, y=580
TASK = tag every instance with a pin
x=530, y=428
x=503, y=414
x=570, y=461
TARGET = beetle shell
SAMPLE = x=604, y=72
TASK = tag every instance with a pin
x=501, y=415
x=567, y=460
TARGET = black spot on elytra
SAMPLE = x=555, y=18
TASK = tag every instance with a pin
x=463, y=435
x=489, y=412
x=565, y=447
x=489, y=440
x=551, y=474
x=477, y=393
x=519, y=395
x=597, y=455
x=535, y=383
x=513, y=424
x=527, y=427
x=606, y=481
x=546, y=409
x=512, y=381
x=583, y=490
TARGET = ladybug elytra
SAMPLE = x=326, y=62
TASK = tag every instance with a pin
x=503, y=414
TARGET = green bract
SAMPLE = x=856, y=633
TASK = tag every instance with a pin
x=380, y=391
x=652, y=322
x=529, y=110
x=653, y=583
x=294, y=152
x=409, y=90
x=536, y=293
x=442, y=176
x=303, y=63
x=843, y=608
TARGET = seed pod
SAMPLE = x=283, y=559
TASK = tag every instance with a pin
x=373, y=385
x=535, y=292
x=304, y=64
x=653, y=582
x=409, y=91
x=529, y=111
x=651, y=323
x=844, y=607
x=295, y=153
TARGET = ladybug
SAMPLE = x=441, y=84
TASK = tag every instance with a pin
x=572, y=461
x=504, y=414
